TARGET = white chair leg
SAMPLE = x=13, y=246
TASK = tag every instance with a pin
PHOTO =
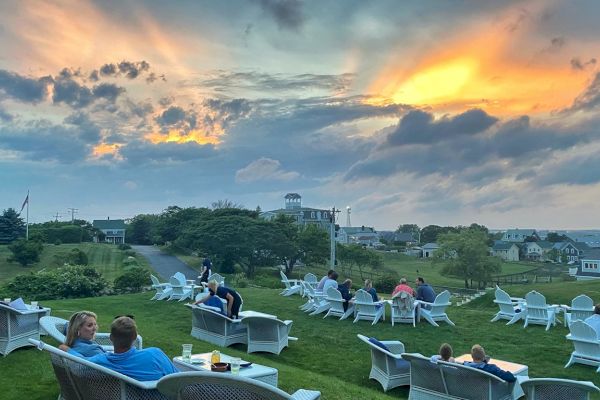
x=571, y=361
x=496, y=318
x=448, y=321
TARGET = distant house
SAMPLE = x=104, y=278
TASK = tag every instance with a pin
x=113, y=229
x=302, y=215
x=506, y=251
x=589, y=267
x=518, y=235
x=363, y=235
x=537, y=251
x=429, y=249
x=571, y=251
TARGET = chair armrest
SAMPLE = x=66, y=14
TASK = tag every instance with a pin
x=303, y=394
x=423, y=302
x=288, y=322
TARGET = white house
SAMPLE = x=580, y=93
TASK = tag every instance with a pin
x=363, y=235
x=429, y=249
x=302, y=215
x=589, y=268
x=536, y=250
x=506, y=251
x=518, y=235
x=113, y=229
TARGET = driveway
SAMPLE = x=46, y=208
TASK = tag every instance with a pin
x=164, y=264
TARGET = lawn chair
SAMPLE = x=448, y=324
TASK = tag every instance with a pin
x=316, y=300
x=365, y=308
x=163, y=290
x=266, y=334
x=558, y=389
x=82, y=379
x=437, y=309
x=387, y=366
x=336, y=305
x=581, y=308
x=508, y=309
x=180, y=290
x=210, y=325
x=291, y=285
x=403, y=309
x=55, y=328
x=216, y=277
x=587, y=345
x=538, y=312
x=18, y=326
x=210, y=386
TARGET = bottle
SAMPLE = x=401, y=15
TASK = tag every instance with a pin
x=215, y=357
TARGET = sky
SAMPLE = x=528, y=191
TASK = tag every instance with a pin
x=426, y=112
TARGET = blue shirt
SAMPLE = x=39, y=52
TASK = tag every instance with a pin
x=492, y=369
x=86, y=348
x=149, y=364
x=425, y=293
x=373, y=293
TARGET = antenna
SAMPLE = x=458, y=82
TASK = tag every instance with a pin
x=348, y=211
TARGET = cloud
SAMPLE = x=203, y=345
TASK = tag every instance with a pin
x=70, y=92
x=286, y=13
x=141, y=152
x=5, y=116
x=127, y=69
x=225, y=112
x=171, y=116
x=21, y=88
x=88, y=130
x=589, y=99
x=579, y=65
x=264, y=169
x=420, y=127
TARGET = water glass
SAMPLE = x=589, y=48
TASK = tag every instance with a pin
x=235, y=365
x=34, y=305
x=7, y=300
x=186, y=354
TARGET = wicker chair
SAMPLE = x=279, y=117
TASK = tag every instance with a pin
x=81, y=379
x=387, y=366
x=558, y=389
x=266, y=334
x=212, y=385
x=213, y=327
x=18, y=326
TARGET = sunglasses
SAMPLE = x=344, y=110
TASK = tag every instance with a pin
x=126, y=315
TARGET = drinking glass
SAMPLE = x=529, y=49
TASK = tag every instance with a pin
x=34, y=305
x=7, y=300
x=235, y=365
x=186, y=354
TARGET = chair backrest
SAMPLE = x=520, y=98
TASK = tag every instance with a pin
x=440, y=303
x=176, y=282
x=361, y=296
x=310, y=278
x=399, y=346
x=308, y=289
x=220, y=280
x=284, y=279
x=404, y=303
x=424, y=374
x=537, y=308
x=54, y=326
x=559, y=389
x=585, y=340
x=154, y=280
x=263, y=328
x=582, y=302
x=210, y=386
x=334, y=297
x=472, y=383
x=504, y=302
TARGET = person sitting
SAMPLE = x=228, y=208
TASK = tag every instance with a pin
x=330, y=282
x=344, y=289
x=594, y=320
x=371, y=290
x=445, y=354
x=403, y=287
x=480, y=361
x=234, y=301
x=149, y=364
x=323, y=279
x=424, y=291
x=80, y=333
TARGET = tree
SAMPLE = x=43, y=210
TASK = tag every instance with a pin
x=430, y=233
x=25, y=252
x=12, y=226
x=225, y=203
x=554, y=237
x=531, y=239
x=359, y=256
x=465, y=255
x=142, y=229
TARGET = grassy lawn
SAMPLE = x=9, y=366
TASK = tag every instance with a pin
x=106, y=258
x=328, y=356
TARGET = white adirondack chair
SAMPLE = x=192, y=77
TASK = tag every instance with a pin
x=508, y=309
x=336, y=305
x=179, y=288
x=216, y=277
x=316, y=300
x=291, y=285
x=365, y=308
x=403, y=309
x=582, y=307
x=538, y=312
x=310, y=279
x=587, y=345
x=387, y=366
x=163, y=290
x=552, y=388
x=437, y=309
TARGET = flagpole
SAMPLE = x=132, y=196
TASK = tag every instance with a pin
x=27, y=221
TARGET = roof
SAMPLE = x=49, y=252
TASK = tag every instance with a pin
x=499, y=245
x=109, y=224
x=293, y=210
x=404, y=237
x=592, y=255
x=351, y=230
x=526, y=232
x=431, y=246
x=292, y=196
x=545, y=244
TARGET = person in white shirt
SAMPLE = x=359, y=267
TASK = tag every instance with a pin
x=323, y=279
x=594, y=320
x=330, y=282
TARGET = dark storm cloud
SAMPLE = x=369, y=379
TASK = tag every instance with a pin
x=278, y=82
x=171, y=116
x=21, y=88
x=76, y=95
x=226, y=111
x=286, y=13
x=43, y=141
x=108, y=91
x=138, y=152
x=88, y=130
x=127, y=69
x=419, y=127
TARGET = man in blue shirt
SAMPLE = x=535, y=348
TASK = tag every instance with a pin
x=424, y=291
x=149, y=364
x=479, y=361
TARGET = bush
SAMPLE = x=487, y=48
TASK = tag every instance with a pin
x=26, y=251
x=133, y=280
x=239, y=280
x=124, y=246
x=129, y=253
x=130, y=261
x=77, y=257
x=66, y=282
x=57, y=242
x=386, y=283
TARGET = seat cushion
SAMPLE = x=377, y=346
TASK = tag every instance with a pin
x=378, y=343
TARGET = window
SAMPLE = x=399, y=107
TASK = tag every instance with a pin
x=312, y=214
x=590, y=267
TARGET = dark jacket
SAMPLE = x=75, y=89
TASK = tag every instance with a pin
x=494, y=370
x=425, y=293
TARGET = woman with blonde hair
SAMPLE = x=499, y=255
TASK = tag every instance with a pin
x=81, y=332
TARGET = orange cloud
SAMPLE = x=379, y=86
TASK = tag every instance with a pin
x=103, y=149
x=175, y=136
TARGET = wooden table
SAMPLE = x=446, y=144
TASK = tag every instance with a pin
x=255, y=371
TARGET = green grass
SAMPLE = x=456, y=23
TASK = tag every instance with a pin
x=328, y=356
x=105, y=258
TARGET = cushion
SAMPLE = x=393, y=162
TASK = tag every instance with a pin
x=18, y=304
x=215, y=301
x=378, y=343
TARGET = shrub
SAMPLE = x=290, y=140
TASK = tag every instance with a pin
x=124, y=246
x=129, y=253
x=66, y=282
x=77, y=257
x=57, y=242
x=239, y=280
x=130, y=261
x=133, y=280
x=386, y=283
x=26, y=251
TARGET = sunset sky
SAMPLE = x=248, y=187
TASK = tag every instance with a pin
x=426, y=112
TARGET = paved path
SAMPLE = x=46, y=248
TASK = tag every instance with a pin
x=164, y=264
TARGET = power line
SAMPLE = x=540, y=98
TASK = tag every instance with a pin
x=73, y=211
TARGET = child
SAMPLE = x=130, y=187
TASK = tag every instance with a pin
x=445, y=354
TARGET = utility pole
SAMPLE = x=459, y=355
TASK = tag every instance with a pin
x=332, y=238
x=56, y=216
x=73, y=211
